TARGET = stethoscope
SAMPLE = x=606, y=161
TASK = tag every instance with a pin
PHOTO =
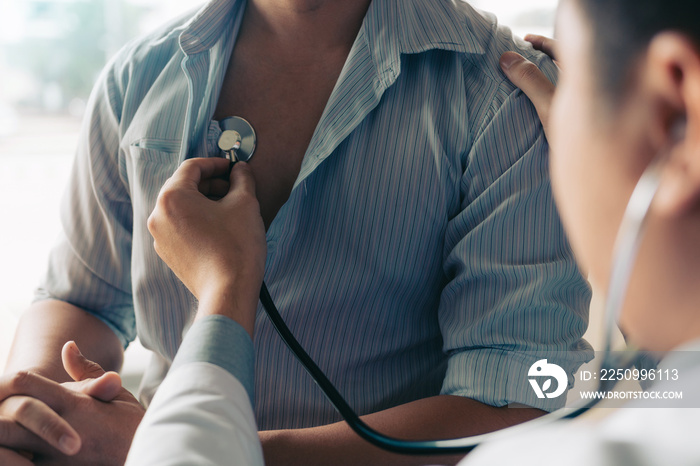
x=238, y=141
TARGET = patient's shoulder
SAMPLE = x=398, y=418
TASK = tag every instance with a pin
x=495, y=39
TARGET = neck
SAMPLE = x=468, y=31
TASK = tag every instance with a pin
x=305, y=27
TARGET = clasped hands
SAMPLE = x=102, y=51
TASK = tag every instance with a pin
x=47, y=423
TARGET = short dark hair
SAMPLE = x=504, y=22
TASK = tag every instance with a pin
x=623, y=29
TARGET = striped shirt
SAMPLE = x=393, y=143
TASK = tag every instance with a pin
x=419, y=253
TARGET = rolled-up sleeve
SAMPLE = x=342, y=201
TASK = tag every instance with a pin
x=89, y=266
x=514, y=293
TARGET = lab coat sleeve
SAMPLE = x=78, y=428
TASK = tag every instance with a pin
x=202, y=413
x=639, y=435
x=574, y=444
x=514, y=294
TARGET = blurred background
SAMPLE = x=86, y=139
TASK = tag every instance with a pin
x=51, y=52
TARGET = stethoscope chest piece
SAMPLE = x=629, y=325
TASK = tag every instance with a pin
x=237, y=139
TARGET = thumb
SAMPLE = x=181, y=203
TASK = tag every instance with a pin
x=242, y=178
x=528, y=77
x=106, y=387
x=77, y=365
x=96, y=382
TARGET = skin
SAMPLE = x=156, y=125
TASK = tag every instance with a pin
x=599, y=152
x=197, y=201
x=186, y=209
x=290, y=32
x=288, y=57
x=54, y=417
x=37, y=350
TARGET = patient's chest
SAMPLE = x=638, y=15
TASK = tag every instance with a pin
x=284, y=110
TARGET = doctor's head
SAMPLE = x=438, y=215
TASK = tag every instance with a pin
x=631, y=80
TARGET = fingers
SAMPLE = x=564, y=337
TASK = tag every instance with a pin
x=31, y=401
x=107, y=387
x=11, y=458
x=37, y=417
x=33, y=385
x=95, y=381
x=543, y=44
x=210, y=176
x=528, y=77
x=242, y=178
x=214, y=188
x=77, y=365
x=192, y=171
x=16, y=437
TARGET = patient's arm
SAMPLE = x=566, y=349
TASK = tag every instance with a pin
x=337, y=444
x=52, y=420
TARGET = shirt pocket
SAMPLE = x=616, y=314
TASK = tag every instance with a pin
x=166, y=146
x=148, y=169
x=154, y=286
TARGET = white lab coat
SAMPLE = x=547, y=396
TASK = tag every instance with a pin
x=634, y=434
x=201, y=415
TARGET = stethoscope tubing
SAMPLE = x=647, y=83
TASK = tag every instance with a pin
x=412, y=447
x=625, y=252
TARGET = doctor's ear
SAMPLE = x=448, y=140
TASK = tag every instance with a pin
x=679, y=191
x=673, y=65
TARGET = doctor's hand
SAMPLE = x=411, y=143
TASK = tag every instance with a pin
x=208, y=229
x=528, y=77
x=85, y=422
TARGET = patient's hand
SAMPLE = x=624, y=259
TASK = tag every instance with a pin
x=94, y=415
x=109, y=415
x=525, y=74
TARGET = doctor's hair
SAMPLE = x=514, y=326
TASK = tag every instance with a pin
x=622, y=30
